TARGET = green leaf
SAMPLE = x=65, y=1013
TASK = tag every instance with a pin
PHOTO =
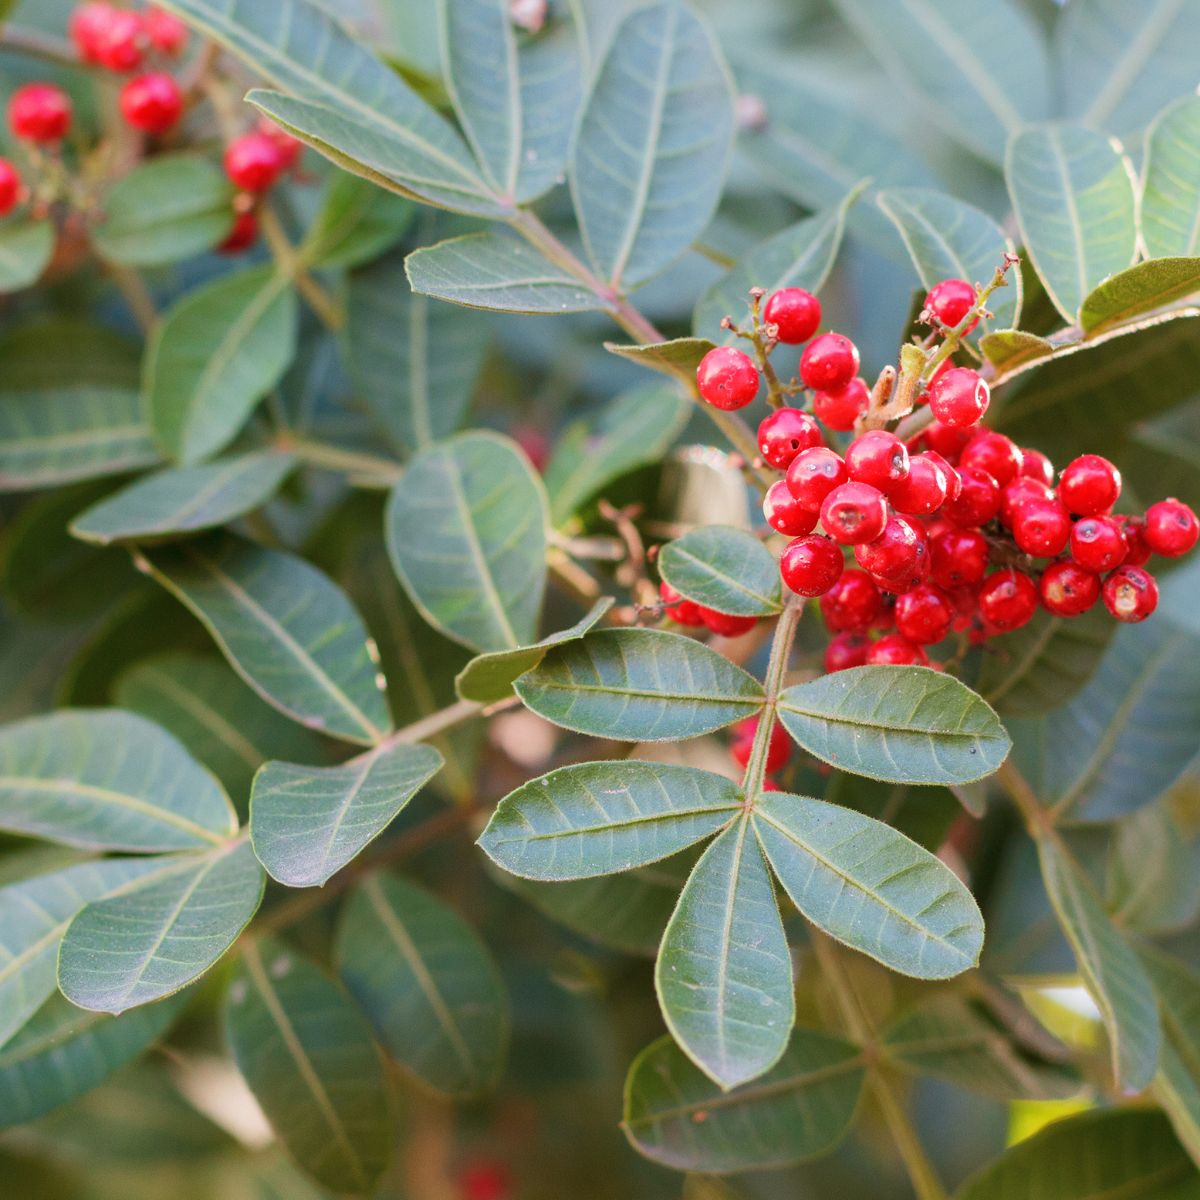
x=1008, y=349
x=1125, y=738
x=1111, y=970
x=497, y=271
x=946, y=51
x=636, y=428
x=415, y=362
x=1117, y=65
x=639, y=685
x=490, y=677
x=103, y=779
x=164, y=211
x=214, y=356
x=678, y=358
x=157, y=936
x=184, y=500
x=899, y=724
x=26, y=247
x=356, y=224
x=869, y=886
x=948, y=239
x=466, y=530
x=1099, y=1155
x=64, y=1052
x=1170, y=209
x=1045, y=663
x=309, y=822
x=924, y=814
x=1139, y=290
x=800, y=256
x=724, y=972
x=427, y=984
x=652, y=145
x=802, y=1108
x=289, y=631
x=516, y=103
x=59, y=435
x=299, y=47
x=947, y=1038
x=725, y=569
x=1074, y=199
x=1153, y=875
x=34, y=915
x=309, y=1058
x=599, y=818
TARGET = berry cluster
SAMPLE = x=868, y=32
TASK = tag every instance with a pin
x=957, y=529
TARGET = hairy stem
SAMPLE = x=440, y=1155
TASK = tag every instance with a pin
x=781, y=649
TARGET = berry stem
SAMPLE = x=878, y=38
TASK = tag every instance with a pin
x=781, y=650
x=291, y=263
x=363, y=470
x=763, y=345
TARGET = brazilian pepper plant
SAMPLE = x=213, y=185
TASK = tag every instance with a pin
x=595, y=600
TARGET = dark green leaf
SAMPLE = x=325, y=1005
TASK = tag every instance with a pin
x=1153, y=876
x=1177, y=1084
x=309, y=822
x=1139, y=290
x=427, y=983
x=357, y=223
x=924, y=814
x=26, y=247
x=1170, y=210
x=900, y=724
x=466, y=530
x=599, y=818
x=725, y=569
x=639, y=685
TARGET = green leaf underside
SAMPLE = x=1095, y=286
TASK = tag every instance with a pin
x=427, y=984
x=1114, y=977
x=289, y=631
x=599, y=818
x=639, y=685
x=466, y=531
x=185, y=500
x=1177, y=1084
x=652, y=144
x=678, y=358
x=899, y=724
x=309, y=822
x=1009, y=349
x=724, y=972
x=308, y=1057
x=1170, y=209
x=357, y=223
x=26, y=247
x=1139, y=290
x=869, y=886
x=802, y=1108
x=724, y=569
x=1074, y=199
x=1152, y=878
x=490, y=677
x=102, y=779
x=64, y=1052
x=157, y=936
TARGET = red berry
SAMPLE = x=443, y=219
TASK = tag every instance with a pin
x=39, y=112
x=1130, y=594
x=726, y=624
x=289, y=148
x=87, y=26
x=977, y=503
x=779, y=745
x=841, y=408
x=814, y=473
x=854, y=513
x=485, y=1179
x=1019, y=492
x=959, y=398
x=1171, y=528
x=795, y=313
x=1067, y=589
x=681, y=611
x=1007, y=600
x=167, y=33
x=1089, y=486
x=924, y=614
x=1036, y=465
x=10, y=187
x=853, y=603
x=811, y=565
x=953, y=482
x=845, y=651
x=1098, y=543
x=950, y=301
x=152, y=103
x=243, y=235
x=829, y=363
x=898, y=651
x=896, y=553
x=958, y=557
x=254, y=163
x=785, y=514
x=926, y=488
x=878, y=458
x=1137, y=548
x=947, y=440
x=1041, y=528
x=784, y=433
x=998, y=455
x=121, y=44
